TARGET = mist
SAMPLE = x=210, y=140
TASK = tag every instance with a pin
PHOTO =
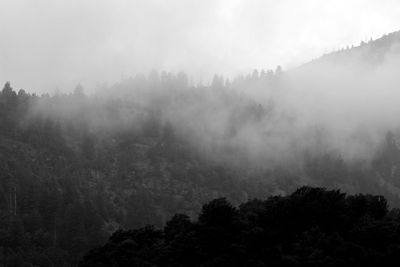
x=54, y=45
x=199, y=133
x=342, y=103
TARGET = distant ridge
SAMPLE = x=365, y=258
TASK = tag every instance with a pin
x=372, y=52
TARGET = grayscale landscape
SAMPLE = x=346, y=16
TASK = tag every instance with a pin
x=199, y=133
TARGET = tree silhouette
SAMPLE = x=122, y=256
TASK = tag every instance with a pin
x=310, y=227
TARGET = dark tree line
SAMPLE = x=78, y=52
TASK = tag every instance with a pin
x=310, y=227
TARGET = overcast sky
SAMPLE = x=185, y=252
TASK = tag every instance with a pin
x=48, y=44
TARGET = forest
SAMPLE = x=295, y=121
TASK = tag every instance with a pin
x=310, y=227
x=80, y=168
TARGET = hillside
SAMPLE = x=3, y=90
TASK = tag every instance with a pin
x=74, y=167
x=373, y=53
x=67, y=184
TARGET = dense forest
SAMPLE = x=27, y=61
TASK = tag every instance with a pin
x=75, y=167
x=310, y=227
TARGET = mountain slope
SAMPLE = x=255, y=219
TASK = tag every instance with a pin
x=74, y=168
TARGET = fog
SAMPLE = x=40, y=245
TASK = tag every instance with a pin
x=47, y=45
x=116, y=115
x=343, y=103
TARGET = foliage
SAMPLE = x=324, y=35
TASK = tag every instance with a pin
x=74, y=168
x=311, y=227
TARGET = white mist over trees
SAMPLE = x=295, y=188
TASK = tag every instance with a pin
x=344, y=102
x=224, y=120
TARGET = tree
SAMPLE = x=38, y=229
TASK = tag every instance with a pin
x=78, y=91
x=178, y=224
x=7, y=90
x=168, y=133
x=278, y=71
x=218, y=213
x=254, y=75
x=88, y=147
x=217, y=82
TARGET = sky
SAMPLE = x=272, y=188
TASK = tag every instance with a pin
x=48, y=45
